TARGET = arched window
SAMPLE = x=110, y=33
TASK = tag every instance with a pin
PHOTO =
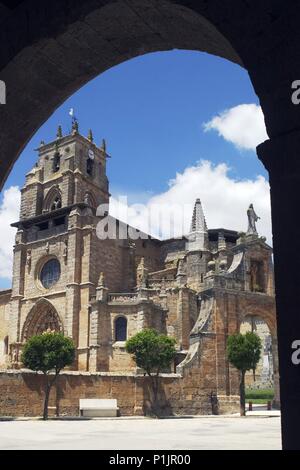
x=121, y=329
x=89, y=167
x=56, y=162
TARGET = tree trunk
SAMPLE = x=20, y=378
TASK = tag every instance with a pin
x=242, y=394
x=154, y=384
x=47, y=395
x=46, y=401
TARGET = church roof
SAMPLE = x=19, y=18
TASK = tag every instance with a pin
x=5, y=291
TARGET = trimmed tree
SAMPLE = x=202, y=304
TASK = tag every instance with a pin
x=243, y=352
x=154, y=353
x=48, y=353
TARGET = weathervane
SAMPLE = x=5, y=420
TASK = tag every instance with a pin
x=74, y=121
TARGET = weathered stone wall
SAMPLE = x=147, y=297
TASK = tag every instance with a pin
x=181, y=304
x=4, y=326
x=110, y=353
x=21, y=394
x=231, y=309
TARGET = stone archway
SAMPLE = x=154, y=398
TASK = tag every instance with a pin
x=263, y=322
x=48, y=55
x=264, y=374
x=41, y=318
x=70, y=46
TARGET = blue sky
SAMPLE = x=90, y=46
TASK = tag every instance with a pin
x=151, y=111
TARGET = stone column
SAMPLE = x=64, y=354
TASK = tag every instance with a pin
x=94, y=336
x=281, y=157
x=183, y=318
x=73, y=267
x=67, y=187
x=17, y=288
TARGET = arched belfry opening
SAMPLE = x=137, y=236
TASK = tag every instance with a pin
x=42, y=318
x=53, y=200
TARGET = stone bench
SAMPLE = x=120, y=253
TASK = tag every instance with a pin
x=96, y=407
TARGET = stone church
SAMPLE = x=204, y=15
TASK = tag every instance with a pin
x=197, y=289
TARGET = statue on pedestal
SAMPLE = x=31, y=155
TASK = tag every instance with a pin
x=252, y=219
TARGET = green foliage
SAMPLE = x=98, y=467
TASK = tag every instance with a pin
x=260, y=394
x=244, y=351
x=48, y=352
x=152, y=351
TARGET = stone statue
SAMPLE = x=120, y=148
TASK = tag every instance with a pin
x=28, y=260
x=101, y=281
x=252, y=219
x=87, y=199
x=65, y=250
x=56, y=204
x=15, y=356
x=180, y=268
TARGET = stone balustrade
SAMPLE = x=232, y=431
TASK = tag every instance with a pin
x=122, y=297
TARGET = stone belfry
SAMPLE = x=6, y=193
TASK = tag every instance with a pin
x=70, y=170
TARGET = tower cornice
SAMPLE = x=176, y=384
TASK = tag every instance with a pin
x=68, y=139
x=24, y=223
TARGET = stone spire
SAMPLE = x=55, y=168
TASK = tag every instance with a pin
x=198, y=220
x=90, y=136
x=198, y=236
x=103, y=145
x=59, y=133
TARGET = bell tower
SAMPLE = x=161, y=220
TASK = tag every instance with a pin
x=55, y=268
x=69, y=170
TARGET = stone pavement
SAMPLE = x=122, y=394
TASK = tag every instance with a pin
x=262, y=410
x=214, y=432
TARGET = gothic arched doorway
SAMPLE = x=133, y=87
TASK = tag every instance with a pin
x=42, y=317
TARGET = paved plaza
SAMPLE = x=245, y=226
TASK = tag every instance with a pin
x=252, y=432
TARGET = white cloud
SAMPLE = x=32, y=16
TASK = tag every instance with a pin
x=243, y=125
x=225, y=202
x=9, y=212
